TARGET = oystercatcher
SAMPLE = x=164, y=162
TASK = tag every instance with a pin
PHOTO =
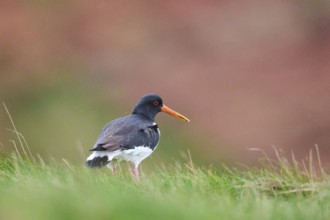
x=131, y=138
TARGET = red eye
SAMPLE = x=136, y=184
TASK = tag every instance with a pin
x=156, y=103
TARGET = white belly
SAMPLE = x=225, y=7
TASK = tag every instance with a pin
x=135, y=155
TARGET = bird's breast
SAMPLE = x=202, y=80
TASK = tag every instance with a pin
x=155, y=134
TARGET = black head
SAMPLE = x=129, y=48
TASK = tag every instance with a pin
x=149, y=106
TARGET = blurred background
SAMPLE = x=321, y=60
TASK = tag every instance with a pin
x=249, y=74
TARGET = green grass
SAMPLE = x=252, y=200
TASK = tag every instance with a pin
x=34, y=190
x=280, y=189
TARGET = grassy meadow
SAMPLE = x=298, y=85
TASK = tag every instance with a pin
x=32, y=189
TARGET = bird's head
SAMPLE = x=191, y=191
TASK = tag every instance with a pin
x=150, y=105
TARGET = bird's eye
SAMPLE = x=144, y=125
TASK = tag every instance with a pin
x=156, y=103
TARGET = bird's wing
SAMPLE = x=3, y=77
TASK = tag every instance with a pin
x=127, y=133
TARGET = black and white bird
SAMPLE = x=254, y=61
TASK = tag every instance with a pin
x=131, y=138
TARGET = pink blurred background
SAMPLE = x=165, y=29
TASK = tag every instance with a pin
x=247, y=73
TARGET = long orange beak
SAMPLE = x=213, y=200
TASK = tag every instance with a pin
x=174, y=113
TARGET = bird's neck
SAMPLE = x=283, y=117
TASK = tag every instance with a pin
x=147, y=113
x=148, y=117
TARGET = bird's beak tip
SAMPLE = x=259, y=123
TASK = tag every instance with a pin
x=186, y=119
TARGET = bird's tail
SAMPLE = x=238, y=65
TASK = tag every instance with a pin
x=95, y=160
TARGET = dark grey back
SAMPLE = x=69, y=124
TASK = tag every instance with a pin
x=127, y=133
